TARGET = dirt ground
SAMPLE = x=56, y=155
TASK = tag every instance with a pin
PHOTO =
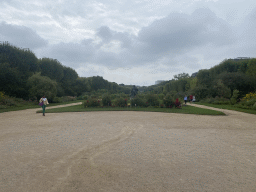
x=127, y=151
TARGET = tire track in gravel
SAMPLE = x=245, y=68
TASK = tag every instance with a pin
x=90, y=154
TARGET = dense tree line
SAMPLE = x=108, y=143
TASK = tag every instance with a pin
x=218, y=81
x=23, y=75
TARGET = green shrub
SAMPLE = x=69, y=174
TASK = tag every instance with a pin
x=92, y=102
x=106, y=100
x=121, y=102
x=9, y=102
x=211, y=100
x=250, y=103
x=234, y=97
x=3, y=107
x=161, y=96
x=1, y=96
x=83, y=97
x=67, y=98
x=57, y=100
x=139, y=102
x=168, y=101
x=152, y=100
x=80, y=97
x=254, y=106
x=93, y=96
x=221, y=101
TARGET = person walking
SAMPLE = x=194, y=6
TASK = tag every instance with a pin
x=43, y=102
x=185, y=99
x=190, y=98
x=194, y=98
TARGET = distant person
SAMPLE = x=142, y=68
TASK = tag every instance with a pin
x=194, y=98
x=190, y=98
x=185, y=99
x=43, y=102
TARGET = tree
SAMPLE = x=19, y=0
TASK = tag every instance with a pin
x=193, y=83
x=201, y=92
x=81, y=86
x=134, y=91
x=68, y=81
x=251, y=68
x=52, y=69
x=203, y=78
x=10, y=81
x=40, y=85
x=106, y=100
x=220, y=90
x=181, y=76
x=237, y=81
x=152, y=100
x=168, y=101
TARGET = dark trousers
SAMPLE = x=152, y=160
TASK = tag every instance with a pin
x=43, y=108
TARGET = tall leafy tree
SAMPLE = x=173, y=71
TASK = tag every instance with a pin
x=181, y=76
x=52, y=68
x=68, y=81
x=203, y=78
x=10, y=81
x=40, y=86
x=238, y=81
x=251, y=70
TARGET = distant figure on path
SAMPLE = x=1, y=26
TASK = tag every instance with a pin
x=194, y=98
x=45, y=102
x=190, y=98
x=185, y=99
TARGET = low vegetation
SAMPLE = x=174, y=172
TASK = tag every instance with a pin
x=24, y=79
x=8, y=103
x=184, y=110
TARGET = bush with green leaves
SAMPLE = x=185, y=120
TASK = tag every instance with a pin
x=106, y=100
x=221, y=101
x=168, y=101
x=1, y=96
x=42, y=86
x=57, y=100
x=254, y=106
x=234, y=97
x=68, y=98
x=121, y=102
x=161, y=96
x=152, y=100
x=9, y=101
x=82, y=97
x=138, y=101
x=92, y=102
x=249, y=103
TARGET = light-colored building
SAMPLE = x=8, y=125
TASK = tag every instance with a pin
x=240, y=58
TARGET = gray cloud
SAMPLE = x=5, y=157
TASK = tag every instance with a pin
x=21, y=36
x=176, y=35
x=72, y=54
x=163, y=41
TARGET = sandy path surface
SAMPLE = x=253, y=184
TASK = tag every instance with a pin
x=127, y=151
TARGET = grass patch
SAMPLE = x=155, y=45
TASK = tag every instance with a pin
x=184, y=110
x=27, y=105
x=229, y=107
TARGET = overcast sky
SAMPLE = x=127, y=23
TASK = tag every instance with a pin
x=133, y=42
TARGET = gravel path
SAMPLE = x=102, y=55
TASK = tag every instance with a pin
x=127, y=151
